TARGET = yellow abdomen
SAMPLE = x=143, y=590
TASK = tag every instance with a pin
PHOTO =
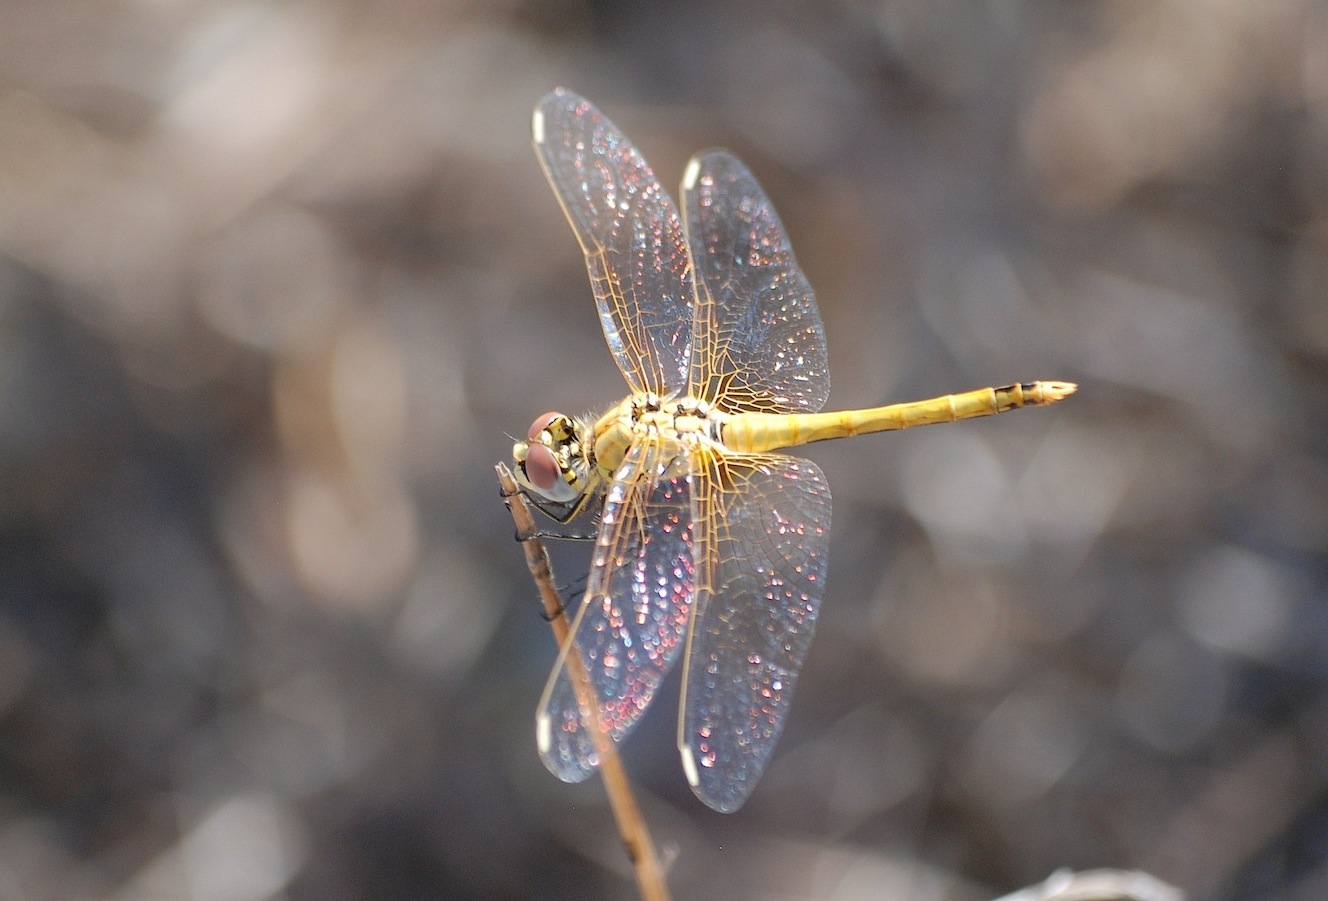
x=761, y=432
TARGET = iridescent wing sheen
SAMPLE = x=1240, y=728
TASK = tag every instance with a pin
x=765, y=523
x=757, y=338
x=629, y=230
x=635, y=611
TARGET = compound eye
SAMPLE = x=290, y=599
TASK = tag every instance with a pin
x=541, y=423
x=542, y=468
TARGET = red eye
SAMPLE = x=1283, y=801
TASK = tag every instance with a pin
x=541, y=423
x=541, y=468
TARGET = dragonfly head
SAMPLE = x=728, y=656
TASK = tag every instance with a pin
x=551, y=462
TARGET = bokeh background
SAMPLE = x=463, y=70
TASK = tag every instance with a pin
x=277, y=280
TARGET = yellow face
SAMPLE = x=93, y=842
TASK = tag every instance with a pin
x=551, y=461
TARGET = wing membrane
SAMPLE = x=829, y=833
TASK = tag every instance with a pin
x=629, y=230
x=724, y=313
x=758, y=343
x=635, y=612
x=767, y=519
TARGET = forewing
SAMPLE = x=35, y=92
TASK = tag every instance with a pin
x=635, y=611
x=757, y=338
x=629, y=230
x=767, y=519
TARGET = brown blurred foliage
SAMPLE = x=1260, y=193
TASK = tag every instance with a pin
x=277, y=278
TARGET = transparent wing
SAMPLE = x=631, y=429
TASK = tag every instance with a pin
x=629, y=230
x=757, y=336
x=767, y=519
x=637, y=603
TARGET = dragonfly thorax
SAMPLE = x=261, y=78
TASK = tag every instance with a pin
x=673, y=421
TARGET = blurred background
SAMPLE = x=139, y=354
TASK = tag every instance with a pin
x=278, y=279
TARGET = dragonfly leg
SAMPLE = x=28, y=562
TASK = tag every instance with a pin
x=550, y=615
x=522, y=537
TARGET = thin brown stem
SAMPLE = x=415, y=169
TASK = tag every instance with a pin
x=631, y=825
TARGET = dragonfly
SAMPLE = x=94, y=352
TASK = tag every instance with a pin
x=710, y=545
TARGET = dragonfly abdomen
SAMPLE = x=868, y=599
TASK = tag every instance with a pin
x=761, y=432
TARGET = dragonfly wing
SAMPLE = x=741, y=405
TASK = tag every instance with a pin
x=635, y=611
x=629, y=230
x=757, y=335
x=766, y=519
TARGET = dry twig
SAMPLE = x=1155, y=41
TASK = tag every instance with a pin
x=631, y=825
